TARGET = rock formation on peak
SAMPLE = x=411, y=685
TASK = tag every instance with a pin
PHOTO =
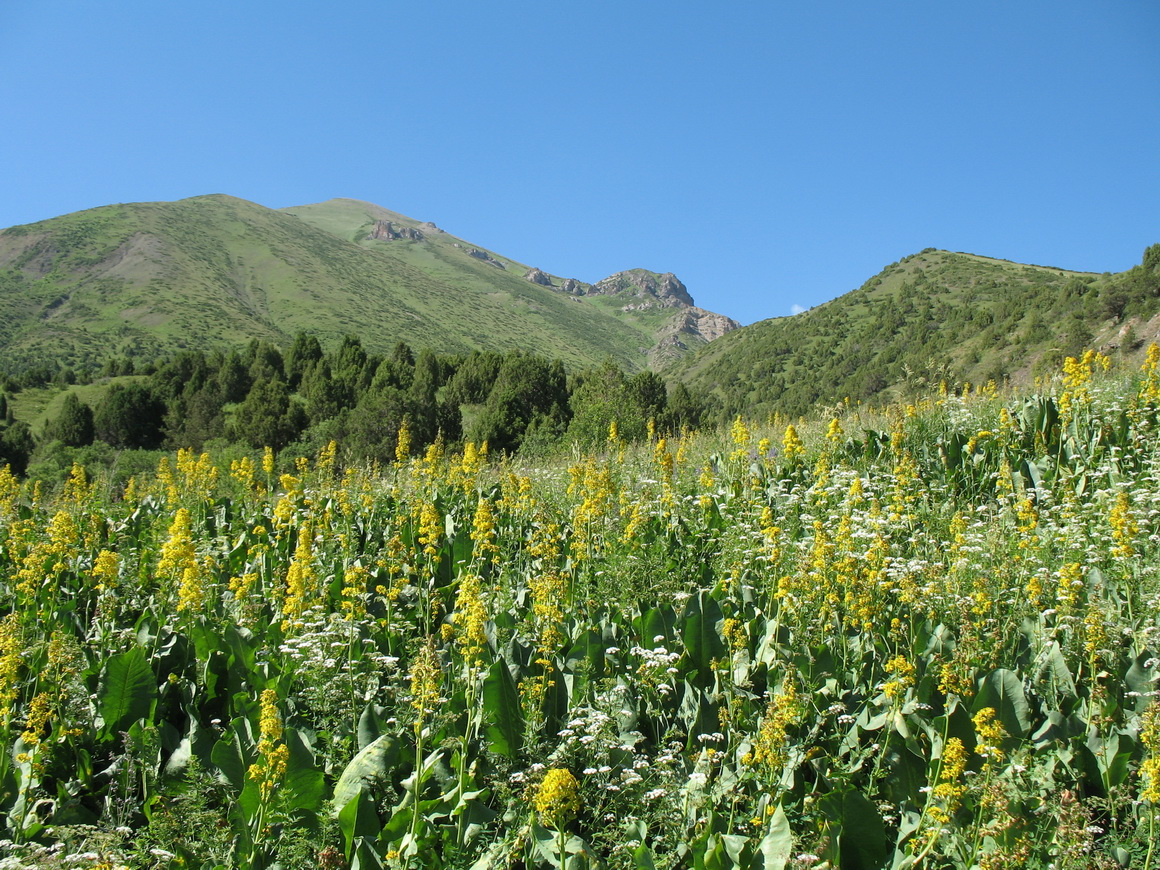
x=537, y=276
x=486, y=257
x=386, y=231
x=666, y=289
x=686, y=330
x=571, y=285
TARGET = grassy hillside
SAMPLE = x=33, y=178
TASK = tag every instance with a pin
x=146, y=279
x=932, y=316
x=449, y=259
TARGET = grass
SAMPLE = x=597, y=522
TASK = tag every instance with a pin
x=217, y=271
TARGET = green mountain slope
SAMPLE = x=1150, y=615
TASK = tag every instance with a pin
x=932, y=316
x=655, y=306
x=147, y=279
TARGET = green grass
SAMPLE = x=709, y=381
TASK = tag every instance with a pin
x=149, y=278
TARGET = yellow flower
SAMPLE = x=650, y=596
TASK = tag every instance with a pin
x=791, y=445
x=105, y=569
x=273, y=755
x=784, y=711
x=403, y=442
x=38, y=713
x=426, y=681
x=11, y=645
x=558, y=798
x=471, y=615
x=990, y=733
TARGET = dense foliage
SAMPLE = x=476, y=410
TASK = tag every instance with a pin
x=307, y=398
x=925, y=639
x=932, y=316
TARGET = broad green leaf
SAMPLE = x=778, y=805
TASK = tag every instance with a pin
x=700, y=634
x=1003, y=690
x=863, y=840
x=230, y=759
x=379, y=757
x=357, y=818
x=304, y=783
x=503, y=715
x=127, y=690
x=777, y=844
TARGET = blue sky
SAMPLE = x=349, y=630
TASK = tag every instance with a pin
x=771, y=154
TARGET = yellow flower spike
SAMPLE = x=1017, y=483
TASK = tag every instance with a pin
x=403, y=442
x=270, y=767
x=426, y=682
x=11, y=649
x=39, y=712
x=791, y=444
x=557, y=800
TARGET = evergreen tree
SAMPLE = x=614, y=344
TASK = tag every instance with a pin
x=74, y=425
x=304, y=353
x=16, y=446
x=130, y=416
x=526, y=386
x=268, y=418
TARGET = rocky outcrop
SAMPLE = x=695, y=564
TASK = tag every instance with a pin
x=571, y=285
x=486, y=257
x=654, y=290
x=685, y=331
x=387, y=231
x=537, y=276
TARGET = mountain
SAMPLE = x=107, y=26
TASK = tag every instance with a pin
x=147, y=279
x=932, y=316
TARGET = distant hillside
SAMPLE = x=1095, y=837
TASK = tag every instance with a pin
x=931, y=316
x=148, y=279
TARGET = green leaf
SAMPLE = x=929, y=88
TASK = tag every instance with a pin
x=127, y=691
x=700, y=634
x=503, y=715
x=357, y=818
x=863, y=840
x=1002, y=690
x=777, y=844
x=230, y=759
x=304, y=782
x=379, y=756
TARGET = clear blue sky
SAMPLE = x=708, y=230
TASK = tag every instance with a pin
x=771, y=154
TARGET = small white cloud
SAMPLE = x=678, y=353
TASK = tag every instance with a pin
x=796, y=309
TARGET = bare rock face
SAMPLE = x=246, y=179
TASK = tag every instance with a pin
x=655, y=291
x=538, y=277
x=687, y=330
x=486, y=257
x=571, y=285
x=386, y=231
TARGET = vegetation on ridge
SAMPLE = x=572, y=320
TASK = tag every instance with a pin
x=931, y=317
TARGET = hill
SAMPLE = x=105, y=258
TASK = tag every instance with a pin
x=147, y=279
x=932, y=316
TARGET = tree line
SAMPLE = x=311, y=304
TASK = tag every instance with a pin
x=304, y=396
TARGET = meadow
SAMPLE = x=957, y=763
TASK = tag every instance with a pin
x=920, y=636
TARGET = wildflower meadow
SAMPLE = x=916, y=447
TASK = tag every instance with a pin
x=926, y=635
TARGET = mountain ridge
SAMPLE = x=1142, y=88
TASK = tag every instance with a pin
x=146, y=279
x=930, y=317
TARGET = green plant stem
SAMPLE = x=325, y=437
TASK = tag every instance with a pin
x=1151, y=837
